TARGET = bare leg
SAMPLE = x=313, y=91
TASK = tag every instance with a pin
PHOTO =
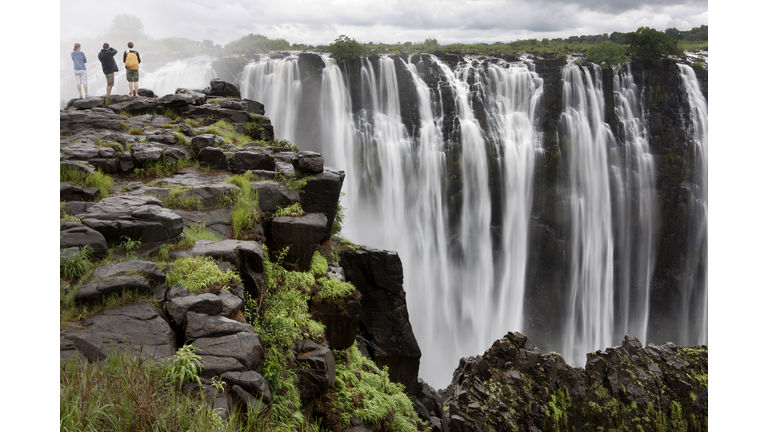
x=130, y=88
x=86, y=89
x=136, y=88
x=79, y=90
x=109, y=91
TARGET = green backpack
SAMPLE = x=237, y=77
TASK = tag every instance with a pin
x=132, y=61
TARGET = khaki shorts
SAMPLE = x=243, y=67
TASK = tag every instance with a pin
x=110, y=79
x=131, y=76
x=81, y=76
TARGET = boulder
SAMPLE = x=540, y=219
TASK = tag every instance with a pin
x=301, y=234
x=138, y=328
x=244, y=161
x=146, y=153
x=179, y=307
x=198, y=97
x=223, y=88
x=317, y=368
x=84, y=104
x=139, y=106
x=340, y=321
x=231, y=304
x=245, y=399
x=167, y=138
x=145, y=92
x=68, y=192
x=218, y=220
x=136, y=217
x=250, y=381
x=274, y=195
x=309, y=162
x=234, y=104
x=202, y=325
x=378, y=275
x=246, y=256
x=205, y=140
x=321, y=195
x=154, y=275
x=216, y=366
x=212, y=157
x=94, y=293
x=175, y=101
x=246, y=348
x=255, y=107
x=74, y=234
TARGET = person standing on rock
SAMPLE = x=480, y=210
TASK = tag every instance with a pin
x=81, y=75
x=131, y=59
x=108, y=65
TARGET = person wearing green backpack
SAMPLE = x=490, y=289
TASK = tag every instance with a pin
x=131, y=59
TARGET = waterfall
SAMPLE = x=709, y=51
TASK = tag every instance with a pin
x=276, y=84
x=635, y=206
x=693, y=329
x=589, y=313
x=164, y=78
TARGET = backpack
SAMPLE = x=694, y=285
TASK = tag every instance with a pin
x=132, y=61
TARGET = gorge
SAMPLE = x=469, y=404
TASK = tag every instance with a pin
x=541, y=195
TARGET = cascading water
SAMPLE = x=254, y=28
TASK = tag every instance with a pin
x=589, y=321
x=194, y=73
x=464, y=267
x=276, y=84
x=694, y=307
x=635, y=199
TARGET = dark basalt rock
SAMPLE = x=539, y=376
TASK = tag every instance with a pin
x=378, y=275
x=136, y=217
x=274, y=195
x=154, y=275
x=94, y=293
x=137, y=328
x=246, y=348
x=179, y=307
x=145, y=92
x=68, y=192
x=317, y=371
x=201, y=325
x=250, y=381
x=74, y=234
x=246, y=256
x=309, y=162
x=321, y=195
x=223, y=88
x=244, y=161
x=202, y=141
x=301, y=234
x=618, y=386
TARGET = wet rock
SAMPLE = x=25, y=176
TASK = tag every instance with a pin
x=274, y=195
x=246, y=348
x=77, y=235
x=138, y=328
x=250, y=381
x=136, y=217
x=317, y=371
x=321, y=195
x=244, y=161
x=201, y=325
x=310, y=162
x=179, y=307
x=301, y=234
x=223, y=88
x=148, y=269
x=94, y=293
x=212, y=157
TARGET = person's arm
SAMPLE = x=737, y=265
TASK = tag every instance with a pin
x=137, y=57
x=112, y=51
x=124, y=54
x=85, y=60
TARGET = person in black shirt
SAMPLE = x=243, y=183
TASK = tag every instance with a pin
x=108, y=65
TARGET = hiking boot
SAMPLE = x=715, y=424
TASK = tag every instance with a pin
x=81, y=96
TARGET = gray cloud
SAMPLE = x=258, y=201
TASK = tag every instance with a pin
x=448, y=21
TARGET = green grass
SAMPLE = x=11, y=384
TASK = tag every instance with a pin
x=191, y=234
x=334, y=289
x=76, y=265
x=102, y=182
x=199, y=273
x=179, y=199
x=136, y=131
x=365, y=392
x=318, y=266
x=291, y=210
x=227, y=131
x=161, y=168
x=126, y=394
x=245, y=205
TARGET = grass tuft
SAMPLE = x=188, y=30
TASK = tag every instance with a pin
x=199, y=273
x=102, y=182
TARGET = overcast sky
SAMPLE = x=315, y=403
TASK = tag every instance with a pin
x=320, y=22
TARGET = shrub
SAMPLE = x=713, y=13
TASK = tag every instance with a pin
x=333, y=289
x=291, y=210
x=318, y=266
x=246, y=201
x=647, y=44
x=75, y=265
x=98, y=180
x=183, y=366
x=607, y=54
x=198, y=273
x=345, y=49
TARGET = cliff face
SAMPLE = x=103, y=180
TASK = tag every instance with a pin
x=678, y=278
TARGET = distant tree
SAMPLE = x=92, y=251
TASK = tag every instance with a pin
x=616, y=37
x=697, y=34
x=124, y=29
x=345, y=49
x=674, y=33
x=607, y=54
x=648, y=44
x=207, y=43
x=430, y=44
x=251, y=43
